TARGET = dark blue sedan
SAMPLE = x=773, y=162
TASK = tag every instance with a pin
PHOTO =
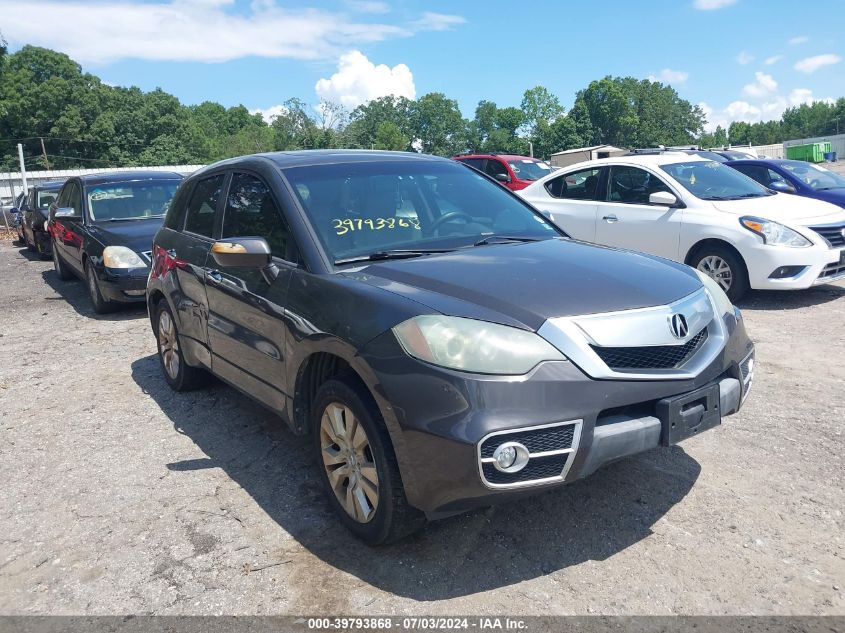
x=795, y=176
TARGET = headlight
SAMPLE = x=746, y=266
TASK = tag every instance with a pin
x=121, y=257
x=723, y=304
x=774, y=233
x=474, y=346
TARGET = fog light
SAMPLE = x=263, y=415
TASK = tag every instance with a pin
x=511, y=457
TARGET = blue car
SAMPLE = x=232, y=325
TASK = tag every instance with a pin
x=795, y=176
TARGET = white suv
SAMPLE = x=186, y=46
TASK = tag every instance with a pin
x=700, y=212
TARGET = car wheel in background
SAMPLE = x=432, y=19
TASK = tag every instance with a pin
x=59, y=266
x=358, y=465
x=26, y=242
x=179, y=375
x=725, y=267
x=101, y=306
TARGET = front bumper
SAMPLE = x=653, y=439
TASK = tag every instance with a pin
x=442, y=421
x=123, y=285
x=818, y=265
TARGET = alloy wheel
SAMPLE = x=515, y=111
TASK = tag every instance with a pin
x=349, y=463
x=718, y=269
x=168, y=344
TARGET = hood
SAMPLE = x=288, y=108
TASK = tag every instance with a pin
x=523, y=285
x=784, y=207
x=833, y=196
x=135, y=234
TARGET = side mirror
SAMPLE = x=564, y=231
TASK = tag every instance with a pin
x=781, y=186
x=66, y=212
x=242, y=252
x=503, y=178
x=663, y=199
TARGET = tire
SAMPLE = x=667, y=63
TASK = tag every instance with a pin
x=101, y=305
x=59, y=266
x=39, y=247
x=344, y=403
x=178, y=374
x=726, y=268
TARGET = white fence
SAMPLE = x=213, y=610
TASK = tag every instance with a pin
x=11, y=182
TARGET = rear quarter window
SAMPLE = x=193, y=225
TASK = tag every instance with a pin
x=175, y=218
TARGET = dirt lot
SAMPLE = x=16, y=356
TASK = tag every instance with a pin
x=119, y=496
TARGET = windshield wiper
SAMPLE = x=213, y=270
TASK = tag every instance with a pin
x=392, y=254
x=140, y=217
x=504, y=239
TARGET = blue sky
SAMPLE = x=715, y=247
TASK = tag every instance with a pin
x=743, y=59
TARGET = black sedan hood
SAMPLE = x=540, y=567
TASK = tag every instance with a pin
x=525, y=284
x=135, y=234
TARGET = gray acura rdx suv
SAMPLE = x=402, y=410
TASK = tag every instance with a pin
x=444, y=344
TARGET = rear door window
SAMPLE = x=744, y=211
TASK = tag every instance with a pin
x=577, y=185
x=203, y=206
x=496, y=167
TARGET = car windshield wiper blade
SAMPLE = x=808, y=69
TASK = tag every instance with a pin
x=391, y=254
x=504, y=239
x=140, y=217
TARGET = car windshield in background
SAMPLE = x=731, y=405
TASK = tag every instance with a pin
x=46, y=198
x=372, y=208
x=132, y=200
x=818, y=178
x=526, y=169
x=710, y=180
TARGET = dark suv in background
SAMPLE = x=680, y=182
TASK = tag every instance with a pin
x=102, y=229
x=445, y=345
x=34, y=212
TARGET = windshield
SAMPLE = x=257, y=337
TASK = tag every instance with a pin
x=133, y=200
x=358, y=209
x=46, y=198
x=710, y=180
x=814, y=176
x=527, y=169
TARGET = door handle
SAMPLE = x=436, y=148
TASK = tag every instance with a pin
x=215, y=276
x=610, y=219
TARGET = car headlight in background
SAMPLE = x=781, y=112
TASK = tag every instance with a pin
x=473, y=346
x=774, y=233
x=121, y=257
x=723, y=304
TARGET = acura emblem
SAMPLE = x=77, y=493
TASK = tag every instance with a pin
x=678, y=325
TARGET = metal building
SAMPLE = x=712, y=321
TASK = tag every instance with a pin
x=580, y=154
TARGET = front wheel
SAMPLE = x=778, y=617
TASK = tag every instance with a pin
x=726, y=268
x=101, y=305
x=358, y=465
x=59, y=266
x=179, y=375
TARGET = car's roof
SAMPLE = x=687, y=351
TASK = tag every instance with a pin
x=51, y=184
x=503, y=156
x=124, y=176
x=768, y=161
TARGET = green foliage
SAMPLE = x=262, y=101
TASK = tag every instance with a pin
x=83, y=122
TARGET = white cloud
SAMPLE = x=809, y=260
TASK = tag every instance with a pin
x=764, y=86
x=801, y=39
x=744, y=58
x=765, y=110
x=710, y=5
x=268, y=114
x=358, y=80
x=368, y=6
x=196, y=30
x=812, y=64
x=774, y=59
x=437, y=22
x=669, y=76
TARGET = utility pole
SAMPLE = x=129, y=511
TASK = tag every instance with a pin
x=531, y=149
x=44, y=152
x=23, y=167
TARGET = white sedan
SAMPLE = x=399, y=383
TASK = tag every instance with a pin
x=700, y=212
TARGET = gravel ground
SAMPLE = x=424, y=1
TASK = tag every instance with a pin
x=120, y=496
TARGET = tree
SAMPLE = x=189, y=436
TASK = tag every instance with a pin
x=366, y=119
x=539, y=108
x=438, y=125
x=390, y=137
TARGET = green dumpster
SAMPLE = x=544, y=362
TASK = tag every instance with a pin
x=810, y=152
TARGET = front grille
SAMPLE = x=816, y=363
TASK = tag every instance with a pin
x=832, y=233
x=652, y=356
x=536, y=441
x=537, y=468
x=833, y=270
